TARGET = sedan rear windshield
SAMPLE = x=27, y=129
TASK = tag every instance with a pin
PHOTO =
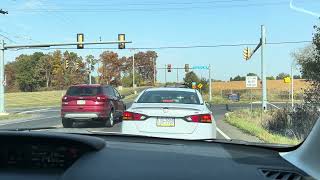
x=84, y=91
x=182, y=97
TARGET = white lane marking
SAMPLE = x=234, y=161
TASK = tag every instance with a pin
x=223, y=134
x=37, y=110
x=27, y=120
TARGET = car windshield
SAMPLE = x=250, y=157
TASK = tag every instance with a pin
x=83, y=91
x=181, y=97
x=189, y=69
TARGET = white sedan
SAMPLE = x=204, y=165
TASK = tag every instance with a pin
x=178, y=113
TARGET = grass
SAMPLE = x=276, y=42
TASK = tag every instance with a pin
x=49, y=98
x=251, y=123
x=33, y=99
x=14, y=116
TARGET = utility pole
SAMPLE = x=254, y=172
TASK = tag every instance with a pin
x=154, y=71
x=165, y=74
x=263, y=68
x=177, y=75
x=90, y=71
x=292, y=95
x=133, y=82
x=210, y=84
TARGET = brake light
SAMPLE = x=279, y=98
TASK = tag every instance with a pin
x=65, y=99
x=101, y=98
x=133, y=116
x=202, y=118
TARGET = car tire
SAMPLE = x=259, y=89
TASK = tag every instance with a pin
x=67, y=123
x=110, y=119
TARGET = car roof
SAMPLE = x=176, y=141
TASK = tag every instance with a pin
x=171, y=89
x=88, y=85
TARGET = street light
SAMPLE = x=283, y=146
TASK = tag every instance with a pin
x=133, y=82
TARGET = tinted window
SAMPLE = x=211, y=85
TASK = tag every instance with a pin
x=182, y=97
x=110, y=91
x=84, y=91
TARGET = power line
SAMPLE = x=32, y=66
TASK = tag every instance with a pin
x=189, y=47
x=152, y=9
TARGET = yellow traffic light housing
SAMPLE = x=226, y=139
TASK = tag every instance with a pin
x=246, y=54
x=80, y=39
x=121, y=37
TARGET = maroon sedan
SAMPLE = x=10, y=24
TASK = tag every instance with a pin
x=91, y=103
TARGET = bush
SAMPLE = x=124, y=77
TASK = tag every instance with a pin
x=297, y=123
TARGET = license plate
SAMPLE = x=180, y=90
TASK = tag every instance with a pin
x=165, y=122
x=81, y=102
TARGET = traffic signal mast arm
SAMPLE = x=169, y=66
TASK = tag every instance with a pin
x=258, y=46
x=62, y=44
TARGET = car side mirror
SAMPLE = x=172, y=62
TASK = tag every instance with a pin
x=122, y=96
x=208, y=105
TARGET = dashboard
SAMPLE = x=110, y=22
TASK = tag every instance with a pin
x=44, y=155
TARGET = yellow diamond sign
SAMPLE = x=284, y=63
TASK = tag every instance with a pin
x=200, y=85
x=287, y=80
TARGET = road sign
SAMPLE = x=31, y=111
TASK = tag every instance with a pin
x=287, y=80
x=200, y=67
x=251, y=81
x=194, y=85
x=200, y=85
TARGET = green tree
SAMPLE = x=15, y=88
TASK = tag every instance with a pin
x=238, y=78
x=189, y=78
x=26, y=74
x=270, y=78
x=127, y=80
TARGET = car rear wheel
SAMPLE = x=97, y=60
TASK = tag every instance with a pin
x=67, y=123
x=110, y=119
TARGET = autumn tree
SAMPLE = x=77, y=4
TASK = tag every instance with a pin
x=110, y=69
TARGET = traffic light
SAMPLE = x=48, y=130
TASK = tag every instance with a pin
x=67, y=63
x=169, y=67
x=186, y=68
x=246, y=53
x=80, y=39
x=121, y=37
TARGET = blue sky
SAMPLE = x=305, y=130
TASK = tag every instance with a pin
x=154, y=23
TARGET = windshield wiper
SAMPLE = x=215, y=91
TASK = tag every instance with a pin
x=30, y=129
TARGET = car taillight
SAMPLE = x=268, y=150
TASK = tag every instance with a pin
x=202, y=118
x=101, y=98
x=133, y=116
x=65, y=99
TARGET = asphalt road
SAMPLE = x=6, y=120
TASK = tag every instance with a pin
x=50, y=117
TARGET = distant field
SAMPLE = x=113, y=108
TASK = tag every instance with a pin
x=277, y=90
x=46, y=98
x=277, y=85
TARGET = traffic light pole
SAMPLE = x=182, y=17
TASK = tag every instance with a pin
x=2, y=81
x=4, y=47
x=263, y=68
